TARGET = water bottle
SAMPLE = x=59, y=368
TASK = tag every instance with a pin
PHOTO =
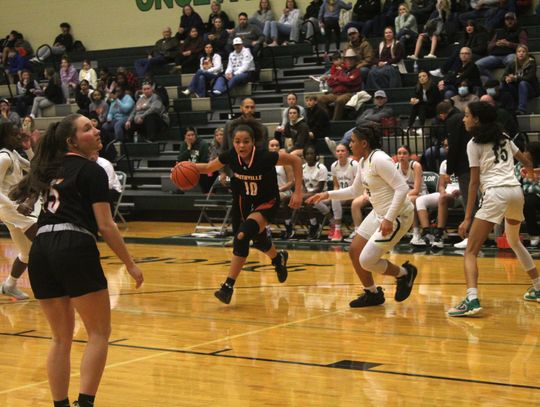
x=415, y=66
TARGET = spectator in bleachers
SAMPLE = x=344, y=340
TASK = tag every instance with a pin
x=457, y=161
x=486, y=9
x=464, y=96
x=239, y=69
x=284, y=174
x=105, y=81
x=52, y=93
x=29, y=132
x=187, y=60
x=99, y=106
x=448, y=193
x=27, y=89
x=343, y=172
x=218, y=37
x=502, y=97
x=370, y=117
x=412, y=173
x=502, y=46
x=216, y=146
x=16, y=40
x=63, y=44
x=7, y=115
x=82, y=97
x=216, y=12
x=291, y=100
x=467, y=71
x=119, y=111
x=531, y=190
x=163, y=52
x=69, y=77
x=433, y=30
x=88, y=73
x=375, y=26
x=149, y=117
x=344, y=84
x=121, y=80
x=209, y=69
x=422, y=9
x=385, y=73
x=247, y=116
x=476, y=39
x=250, y=34
x=196, y=150
x=406, y=26
x=317, y=119
x=365, y=56
x=310, y=26
x=189, y=19
x=288, y=25
x=520, y=78
x=505, y=118
x=362, y=12
x=315, y=176
x=329, y=21
x=425, y=100
x=296, y=132
x=131, y=78
x=15, y=65
x=263, y=14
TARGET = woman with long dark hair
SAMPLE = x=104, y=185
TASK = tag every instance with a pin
x=64, y=266
x=383, y=228
x=491, y=159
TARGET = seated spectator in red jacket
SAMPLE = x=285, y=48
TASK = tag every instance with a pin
x=344, y=83
x=190, y=51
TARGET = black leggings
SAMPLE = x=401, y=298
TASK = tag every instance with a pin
x=331, y=24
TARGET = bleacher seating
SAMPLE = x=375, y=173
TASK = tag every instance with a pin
x=283, y=69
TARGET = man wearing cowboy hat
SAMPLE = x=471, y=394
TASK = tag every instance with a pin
x=344, y=83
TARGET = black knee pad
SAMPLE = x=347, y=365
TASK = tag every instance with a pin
x=262, y=242
x=249, y=229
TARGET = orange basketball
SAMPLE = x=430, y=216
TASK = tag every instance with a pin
x=185, y=175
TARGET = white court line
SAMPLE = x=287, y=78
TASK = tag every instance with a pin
x=155, y=355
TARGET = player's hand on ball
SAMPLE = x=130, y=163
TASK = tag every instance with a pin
x=136, y=273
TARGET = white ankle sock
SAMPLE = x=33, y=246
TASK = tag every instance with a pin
x=11, y=281
x=536, y=283
x=372, y=288
x=472, y=294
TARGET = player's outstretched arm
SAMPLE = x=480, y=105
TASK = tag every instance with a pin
x=296, y=163
x=207, y=168
x=113, y=238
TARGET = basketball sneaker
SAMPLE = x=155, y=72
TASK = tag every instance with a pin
x=438, y=242
x=351, y=237
x=13, y=291
x=337, y=236
x=418, y=241
x=465, y=308
x=532, y=295
x=224, y=294
x=313, y=232
x=368, y=299
x=288, y=233
x=280, y=265
x=331, y=232
x=405, y=283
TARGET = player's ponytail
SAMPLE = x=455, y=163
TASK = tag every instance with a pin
x=488, y=131
x=47, y=161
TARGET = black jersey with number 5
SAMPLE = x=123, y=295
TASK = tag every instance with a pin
x=81, y=183
x=256, y=181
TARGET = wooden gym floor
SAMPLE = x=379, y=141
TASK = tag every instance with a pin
x=292, y=344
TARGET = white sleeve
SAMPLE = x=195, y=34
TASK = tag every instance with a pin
x=442, y=168
x=385, y=168
x=356, y=189
x=513, y=148
x=322, y=175
x=5, y=164
x=333, y=169
x=473, y=153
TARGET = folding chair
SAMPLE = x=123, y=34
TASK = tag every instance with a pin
x=218, y=223
x=122, y=177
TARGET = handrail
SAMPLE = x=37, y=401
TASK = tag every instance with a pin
x=313, y=40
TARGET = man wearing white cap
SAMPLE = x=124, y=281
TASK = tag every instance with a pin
x=344, y=83
x=239, y=68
